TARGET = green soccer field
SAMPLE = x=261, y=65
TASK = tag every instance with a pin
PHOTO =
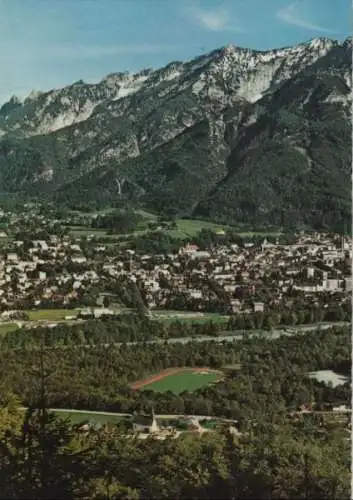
x=183, y=381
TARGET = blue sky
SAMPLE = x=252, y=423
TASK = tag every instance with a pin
x=47, y=44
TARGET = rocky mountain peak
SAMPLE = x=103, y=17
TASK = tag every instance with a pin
x=235, y=133
x=321, y=41
x=222, y=75
x=33, y=95
x=16, y=99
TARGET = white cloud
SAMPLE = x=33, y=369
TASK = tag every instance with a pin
x=291, y=15
x=215, y=20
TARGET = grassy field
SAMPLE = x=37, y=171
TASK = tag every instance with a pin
x=77, y=418
x=92, y=214
x=190, y=227
x=264, y=233
x=50, y=314
x=7, y=327
x=189, y=317
x=186, y=228
x=80, y=231
x=186, y=380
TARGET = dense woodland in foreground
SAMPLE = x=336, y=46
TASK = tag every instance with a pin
x=42, y=456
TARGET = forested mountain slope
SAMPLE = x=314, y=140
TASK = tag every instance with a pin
x=238, y=135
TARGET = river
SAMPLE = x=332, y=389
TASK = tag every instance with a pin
x=227, y=337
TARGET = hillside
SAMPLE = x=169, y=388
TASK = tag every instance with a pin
x=260, y=138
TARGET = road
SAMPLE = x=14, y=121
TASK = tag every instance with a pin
x=225, y=336
x=122, y=415
x=196, y=417
x=272, y=335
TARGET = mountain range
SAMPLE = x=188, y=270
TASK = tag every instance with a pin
x=261, y=138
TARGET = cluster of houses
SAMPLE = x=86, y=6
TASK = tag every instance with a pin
x=59, y=270
x=147, y=425
x=202, y=278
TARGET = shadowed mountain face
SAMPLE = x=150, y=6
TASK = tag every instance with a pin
x=238, y=135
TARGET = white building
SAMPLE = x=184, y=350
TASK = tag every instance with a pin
x=145, y=424
x=310, y=272
x=12, y=257
x=258, y=307
x=332, y=284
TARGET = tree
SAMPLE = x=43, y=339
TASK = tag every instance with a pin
x=120, y=221
x=43, y=460
x=268, y=321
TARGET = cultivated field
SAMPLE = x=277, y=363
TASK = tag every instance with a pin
x=50, y=314
x=178, y=380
